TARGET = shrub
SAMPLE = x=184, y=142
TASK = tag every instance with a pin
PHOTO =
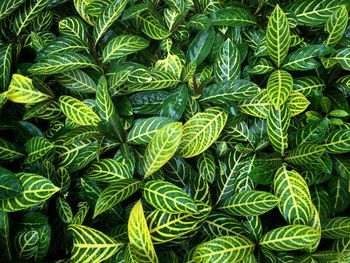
x=174, y=131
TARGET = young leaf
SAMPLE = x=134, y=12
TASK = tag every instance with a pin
x=279, y=86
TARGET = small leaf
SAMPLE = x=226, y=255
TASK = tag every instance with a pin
x=206, y=166
x=64, y=210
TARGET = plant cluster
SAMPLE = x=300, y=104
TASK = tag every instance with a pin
x=195, y=131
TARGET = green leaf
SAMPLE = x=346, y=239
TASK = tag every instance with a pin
x=228, y=92
x=312, y=133
x=220, y=224
x=122, y=46
x=151, y=27
x=80, y=7
x=263, y=66
x=320, y=198
x=175, y=103
x=295, y=201
x=342, y=166
x=288, y=238
x=343, y=58
x=26, y=14
x=305, y=155
x=249, y=203
x=232, y=17
x=162, y=147
x=171, y=64
x=115, y=193
x=65, y=212
x=26, y=243
x=314, y=12
x=338, y=189
x=168, y=197
x=78, y=112
x=278, y=36
x=5, y=235
x=336, y=25
x=77, y=81
x=279, y=86
x=37, y=148
x=303, y=58
x=108, y=171
x=227, y=248
x=165, y=227
x=336, y=227
x=9, y=185
x=74, y=27
x=200, y=46
x=139, y=236
x=143, y=130
x=201, y=131
x=36, y=189
x=91, y=245
x=278, y=121
x=7, y=7
x=338, y=141
x=5, y=64
x=58, y=63
x=206, y=166
x=21, y=90
x=9, y=151
x=227, y=64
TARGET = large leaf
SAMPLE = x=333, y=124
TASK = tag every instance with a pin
x=155, y=80
x=200, y=46
x=7, y=7
x=9, y=151
x=162, y=147
x=338, y=141
x=292, y=237
x=336, y=25
x=22, y=90
x=122, y=46
x=139, y=236
x=232, y=17
x=74, y=27
x=249, y=203
x=343, y=58
x=108, y=16
x=91, y=245
x=37, y=148
x=115, y=193
x=78, y=112
x=295, y=201
x=151, y=27
x=168, y=197
x=175, y=103
x=278, y=36
x=336, y=227
x=77, y=81
x=35, y=190
x=227, y=63
x=279, y=86
x=278, y=121
x=206, y=166
x=227, y=248
x=5, y=64
x=9, y=184
x=201, y=131
x=305, y=155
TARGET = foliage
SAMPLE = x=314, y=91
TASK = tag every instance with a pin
x=174, y=131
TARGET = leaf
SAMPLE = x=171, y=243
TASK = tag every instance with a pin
x=158, y=80
x=227, y=63
x=278, y=36
x=279, y=86
x=74, y=27
x=295, y=201
x=139, y=236
x=80, y=7
x=26, y=243
x=114, y=194
x=228, y=92
x=200, y=47
x=232, y=17
x=77, y=81
x=151, y=27
x=162, y=147
x=58, y=63
x=314, y=12
x=220, y=224
x=249, y=203
x=312, y=133
x=35, y=190
x=227, y=248
x=305, y=155
x=263, y=66
x=342, y=166
x=337, y=141
x=336, y=227
x=288, y=238
x=343, y=58
x=171, y=64
x=303, y=58
x=78, y=112
x=336, y=25
x=21, y=90
x=26, y=14
x=168, y=197
x=9, y=151
x=65, y=212
x=122, y=46
x=278, y=121
x=9, y=185
x=5, y=63
x=108, y=171
x=206, y=166
x=7, y=7
x=201, y=131
x=37, y=148
x=91, y=245
x=175, y=103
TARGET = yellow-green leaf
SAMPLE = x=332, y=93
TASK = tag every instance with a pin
x=279, y=86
